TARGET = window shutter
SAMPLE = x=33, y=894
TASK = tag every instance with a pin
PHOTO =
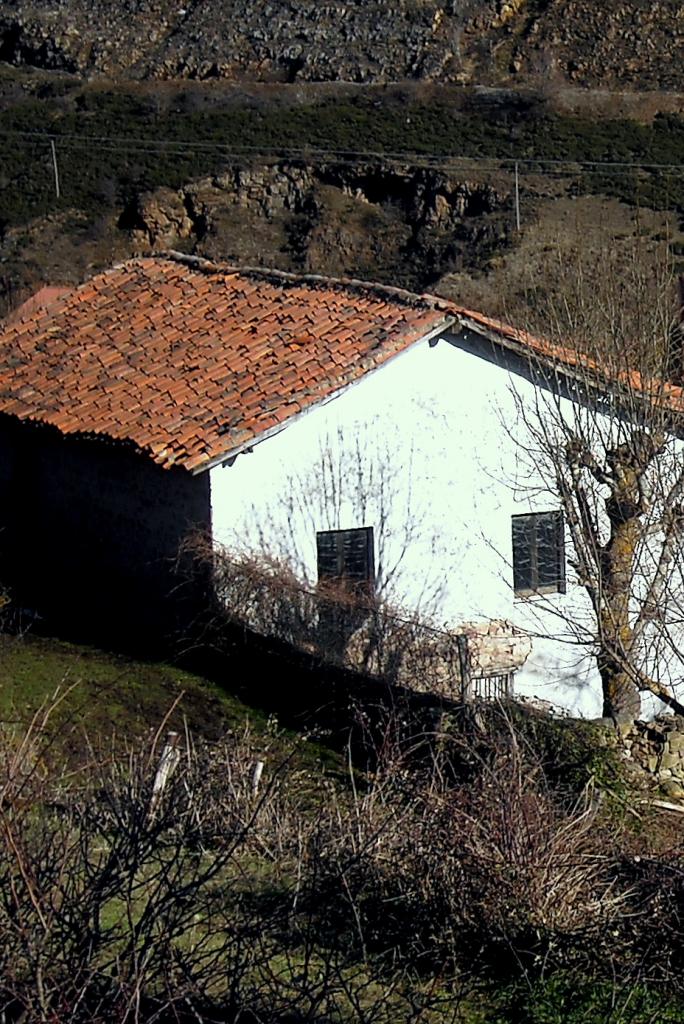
x=357, y=555
x=538, y=552
x=551, y=551
x=523, y=553
x=329, y=567
x=346, y=555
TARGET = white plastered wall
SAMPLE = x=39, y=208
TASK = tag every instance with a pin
x=437, y=432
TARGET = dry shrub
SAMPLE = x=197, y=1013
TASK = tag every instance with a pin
x=23, y=771
x=264, y=595
x=444, y=870
x=115, y=906
x=110, y=896
x=273, y=898
x=655, y=932
x=531, y=874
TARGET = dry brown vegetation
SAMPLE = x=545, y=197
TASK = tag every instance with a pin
x=264, y=894
x=340, y=626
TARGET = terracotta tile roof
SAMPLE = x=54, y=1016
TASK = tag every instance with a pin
x=44, y=297
x=572, y=361
x=190, y=361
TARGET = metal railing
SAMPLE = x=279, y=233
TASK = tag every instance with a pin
x=492, y=687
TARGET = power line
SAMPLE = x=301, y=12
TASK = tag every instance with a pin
x=538, y=164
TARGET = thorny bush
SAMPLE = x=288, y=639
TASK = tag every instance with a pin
x=338, y=623
x=454, y=872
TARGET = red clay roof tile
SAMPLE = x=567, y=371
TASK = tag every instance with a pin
x=192, y=362
x=38, y=302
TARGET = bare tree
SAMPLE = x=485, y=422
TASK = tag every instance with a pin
x=603, y=432
x=357, y=476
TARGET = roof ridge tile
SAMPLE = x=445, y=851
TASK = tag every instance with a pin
x=202, y=264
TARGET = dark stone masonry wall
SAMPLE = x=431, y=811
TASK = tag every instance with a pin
x=90, y=533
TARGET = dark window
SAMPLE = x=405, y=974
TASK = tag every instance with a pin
x=347, y=555
x=538, y=553
x=345, y=560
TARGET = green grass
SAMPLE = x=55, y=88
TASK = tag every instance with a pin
x=105, y=699
x=108, y=694
x=566, y=998
x=105, y=692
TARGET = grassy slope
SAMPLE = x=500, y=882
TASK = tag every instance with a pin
x=142, y=133
x=108, y=698
x=114, y=695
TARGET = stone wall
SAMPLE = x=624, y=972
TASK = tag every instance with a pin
x=415, y=656
x=655, y=750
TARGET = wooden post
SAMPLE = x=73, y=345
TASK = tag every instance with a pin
x=464, y=665
x=517, y=197
x=167, y=763
x=256, y=778
x=55, y=168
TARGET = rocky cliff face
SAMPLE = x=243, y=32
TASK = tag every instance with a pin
x=615, y=42
x=607, y=43
x=319, y=40
x=379, y=221
x=404, y=224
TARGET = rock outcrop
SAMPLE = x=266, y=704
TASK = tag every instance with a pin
x=612, y=43
x=282, y=40
x=404, y=224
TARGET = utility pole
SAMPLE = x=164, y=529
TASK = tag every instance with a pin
x=53, y=150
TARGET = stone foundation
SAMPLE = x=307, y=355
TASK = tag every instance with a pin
x=656, y=750
x=432, y=661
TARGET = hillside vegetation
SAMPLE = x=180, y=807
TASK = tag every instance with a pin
x=100, y=704
x=320, y=847
x=388, y=184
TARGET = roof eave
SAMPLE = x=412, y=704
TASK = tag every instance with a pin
x=443, y=327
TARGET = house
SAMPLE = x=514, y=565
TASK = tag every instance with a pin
x=356, y=429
